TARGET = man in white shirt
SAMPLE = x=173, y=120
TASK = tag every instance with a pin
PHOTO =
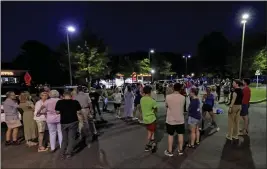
x=175, y=119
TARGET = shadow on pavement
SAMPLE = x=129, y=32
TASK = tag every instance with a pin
x=237, y=154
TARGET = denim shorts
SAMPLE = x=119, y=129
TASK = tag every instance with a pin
x=193, y=121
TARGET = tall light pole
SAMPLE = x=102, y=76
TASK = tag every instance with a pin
x=243, y=21
x=151, y=51
x=186, y=57
x=70, y=29
x=152, y=72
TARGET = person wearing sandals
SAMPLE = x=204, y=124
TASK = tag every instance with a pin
x=40, y=118
x=11, y=119
x=175, y=119
x=53, y=120
x=194, y=117
x=29, y=124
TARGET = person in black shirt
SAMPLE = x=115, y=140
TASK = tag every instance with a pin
x=234, y=111
x=94, y=95
x=68, y=110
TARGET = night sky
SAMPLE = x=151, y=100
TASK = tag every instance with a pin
x=127, y=26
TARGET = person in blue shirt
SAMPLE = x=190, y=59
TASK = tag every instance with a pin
x=208, y=103
x=194, y=117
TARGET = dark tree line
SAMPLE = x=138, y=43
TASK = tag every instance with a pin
x=215, y=55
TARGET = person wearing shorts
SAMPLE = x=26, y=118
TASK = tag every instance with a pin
x=175, y=119
x=245, y=105
x=149, y=110
x=12, y=119
x=208, y=103
x=194, y=117
x=40, y=118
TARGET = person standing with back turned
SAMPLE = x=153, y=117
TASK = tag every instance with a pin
x=69, y=110
x=175, y=119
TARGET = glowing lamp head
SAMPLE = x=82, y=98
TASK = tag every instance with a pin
x=152, y=71
x=189, y=56
x=152, y=51
x=183, y=56
x=245, y=16
x=70, y=29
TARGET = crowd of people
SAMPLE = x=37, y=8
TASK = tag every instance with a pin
x=73, y=115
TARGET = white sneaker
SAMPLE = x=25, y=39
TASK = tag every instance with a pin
x=140, y=121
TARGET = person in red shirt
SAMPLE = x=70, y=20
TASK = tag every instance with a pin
x=245, y=104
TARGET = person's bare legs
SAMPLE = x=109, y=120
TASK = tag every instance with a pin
x=180, y=142
x=15, y=134
x=246, y=122
x=193, y=135
x=170, y=143
x=41, y=139
x=197, y=134
x=8, y=134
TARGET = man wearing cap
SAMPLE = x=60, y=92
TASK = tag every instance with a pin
x=86, y=119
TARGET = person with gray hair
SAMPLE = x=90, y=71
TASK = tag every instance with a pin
x=53, y=120
x=11, y=118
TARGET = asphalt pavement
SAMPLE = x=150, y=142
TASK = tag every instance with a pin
x=121, y=145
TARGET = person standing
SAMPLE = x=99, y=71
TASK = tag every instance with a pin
x=40, y=118
x=234, y=111
x=94, y=95
x=208, y=104
x=117, y=102
x=245, y=105
x=11, y=118
x=69, y=110
x=86, y=120
x=29, y=124
x=104, y=95
x=226, y=90
x=137, y=99
x=194, y=118
x=129, y=102
x=149, y=109
x=53, y=120
x=218, y=89
x=175, y=119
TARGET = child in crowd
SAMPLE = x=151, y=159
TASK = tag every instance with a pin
x=149, y=110
x=194, y=118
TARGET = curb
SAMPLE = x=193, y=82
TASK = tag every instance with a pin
x=258, y=101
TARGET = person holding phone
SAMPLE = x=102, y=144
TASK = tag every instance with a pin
x=40, y=118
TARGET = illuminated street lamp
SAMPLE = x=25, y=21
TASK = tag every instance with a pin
x=244, y=19
x=70, y=29
x=152, y=72
x=151, y=51
x=192, y=74
x=186, y=57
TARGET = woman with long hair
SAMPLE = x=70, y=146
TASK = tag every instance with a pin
x=29, y=124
